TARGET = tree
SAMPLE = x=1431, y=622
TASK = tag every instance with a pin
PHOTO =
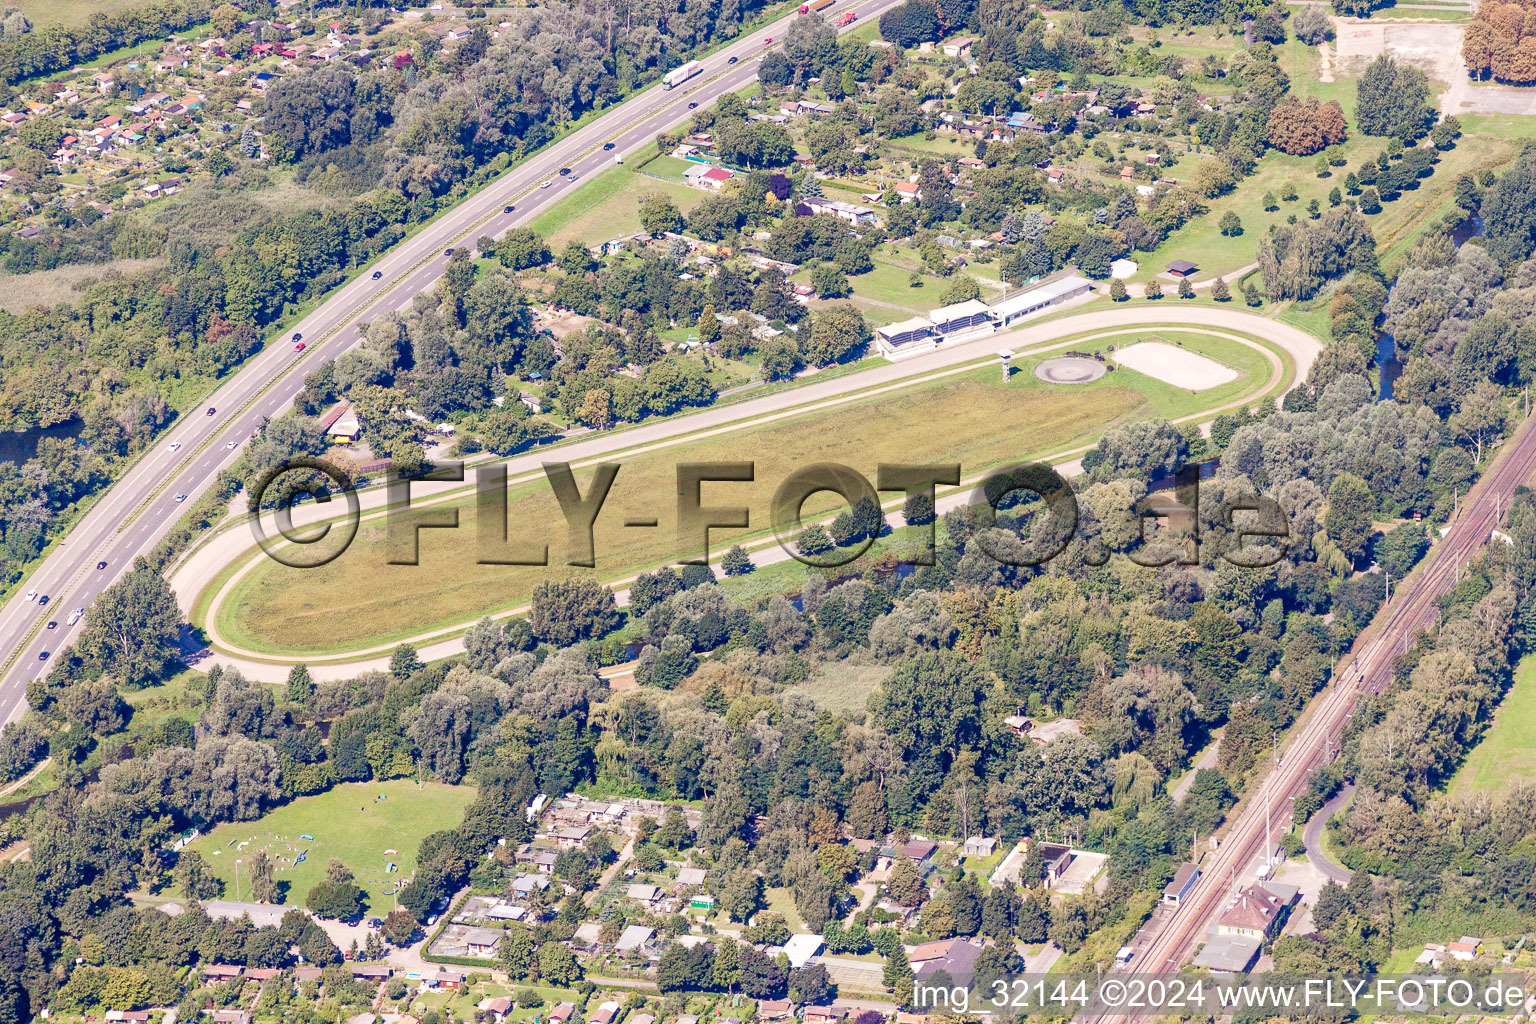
x=1186, y=290
x=1303, y=126
x=736, y=561
x=838, y=332
x=1391, y=100
x=1230, y=224
x=1219, y=291
x=811, y=985
x=1481, y=417
x=300, y=686
x=41, y=134
x=905, y=884
x=829, y=281
x=399, y=927
x=962, y=289
x=1251, y=296
x=1117, y=290
x=760, y=977
x=1312, y=25
x=339, y=899
x=1370, y=201
x=1154, y=290
x=1350, y=515
x=897, y=967
x=133, y=628
x=569, y=611
x=813, y=540
x=658, y=214
x=195, y=878
x=522, y=249
x=263, y=879
x=558, y=965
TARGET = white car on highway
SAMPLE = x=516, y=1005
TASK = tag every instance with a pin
x=545, y=183
x=74, y=616
x=175, y=446
x=32, y=594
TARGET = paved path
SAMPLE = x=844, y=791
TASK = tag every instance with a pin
x=205, y=562
x=1313, y=836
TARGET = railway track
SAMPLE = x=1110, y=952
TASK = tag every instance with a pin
x=1365, y=670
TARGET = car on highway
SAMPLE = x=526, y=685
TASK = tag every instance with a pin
x=508, y=209
x=32, y=594
x=101, y=565
x=74, y=616
x=378, y=274
x=42, y=655
x=768, y=40
x=732, y=60
x=53, y=624
x=42, y=600
x=297, y=336
x=448, y=251
x=211, y=410
x=230, y=445
x=692, y=105
x=545, y=183
x=299, y=347
x=180, y=498
x=564, y=171
x=573, y=177
x=175, y=446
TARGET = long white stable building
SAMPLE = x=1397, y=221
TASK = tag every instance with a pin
x=973, y=318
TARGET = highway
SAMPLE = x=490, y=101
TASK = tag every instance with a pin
x=1166, y=943
x=140, y=507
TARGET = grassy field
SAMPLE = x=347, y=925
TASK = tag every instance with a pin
x=69, y=13
x=1398, y=224
x=843, y=688
x=607, y=206
x=362, y=839
x=358, y=600
x=1506, y=755
x=20, y=292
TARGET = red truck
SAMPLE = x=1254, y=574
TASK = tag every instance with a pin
x=848, y=19
x=816, y=5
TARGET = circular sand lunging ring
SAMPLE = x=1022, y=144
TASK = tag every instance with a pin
x=1070, y=370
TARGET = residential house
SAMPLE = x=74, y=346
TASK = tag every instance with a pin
x=819, y=1015
x=497, y=1008
x=955, y=957
x=221, y=972
x=1467, y=948
x=960, y=46
x=482, y=941
x=606, y=1013
x=1182, y=268
x=691, y=876
x=444, y=979
x=775, y=1009
x=644, y=893
x=562, y=1013
x=920, y=849
x=633, y=937
x=801, y=948
x=907, y=191
x=231, y=1017
x=1255, y=914
x=570, y=838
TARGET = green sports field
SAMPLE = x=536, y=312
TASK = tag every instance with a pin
x=364, y=825
x=1506, y=755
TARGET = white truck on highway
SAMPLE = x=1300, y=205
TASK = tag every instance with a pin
x=677, y=76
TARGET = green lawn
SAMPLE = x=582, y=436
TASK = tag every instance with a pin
x=358, y=600
x=607, y=206
x=1396, y=227
x=351, y=824
x=69, y=13
x=1506, y=755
